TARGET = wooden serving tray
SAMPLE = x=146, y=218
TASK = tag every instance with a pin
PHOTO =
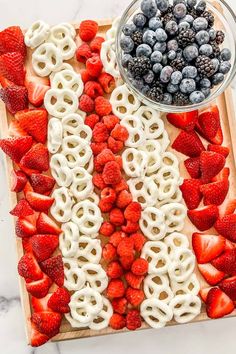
x=228, y=121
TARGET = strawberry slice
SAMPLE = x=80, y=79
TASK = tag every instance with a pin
x=12, y=68
x=6, y=83
x=38, y=201
x=15, y=129
x=39, y=288
x=53, y=267
x=59, y=301
x=223, y=175
x=203, y=293
x=207, y=247
x=185, y=120
x=43, y=246
x=36, y=158
x=31, y=119
x=226, y=226
x=27, y=171
x=212, y=275
x=193, y=167
x=42, y=183
x=223, y=150
x=15, y=98
x=218, y=304
x=229, y=287
x=218, y=139
x=45, y=225
x=209, y=123
x=40, y=304
x=204, y=218
x=12, y=40
x=188, y=143
x=26, y=245
x=28, y=267
x=211, y=164
x=22, y=209
x=229, y=208
x=37, y=89
x=226, y=262
x=18, y=181
x=229, y=245
x=16, y=148
x=47, y=322
x=24, y=228
x=215, y=193
x=37, y=339
x=191, y=192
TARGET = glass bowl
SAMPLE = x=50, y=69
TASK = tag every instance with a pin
x=225, y=20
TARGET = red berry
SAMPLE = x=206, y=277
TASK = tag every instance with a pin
x=107, y=229
x=88, y=30
x=105, y=206
x=110, y=121
x=94, y=66
x=115, y=145
x=97, y=148
x=96, y=44
x=120, y=305
x=133, y=320
x=98, y=181
x=86, y=76
x=130, y=227
x=120, y=133
x=93, y=89
x=134, y=296
x=105, y=156
x=83, y=53
x=139, y=241
x=107, y=81
x=126, y=247
x=102, y=106
x=115, y=288
x=100, y=133
x=116, y=238
x=133, y=212
x=86, y=104
x=140, y=266
x=116, y=217
x=121, y=186
x=108, y=194
x=114, y=270
x=111, y=173
x=91, y=120
x=109, y=252
x=133, y=280
x=117, y=321
x=123, y=199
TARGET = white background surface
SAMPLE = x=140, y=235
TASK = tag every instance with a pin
x=213, y=337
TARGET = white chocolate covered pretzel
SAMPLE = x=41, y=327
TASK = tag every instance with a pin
x=157, y=286
x=61, y=37
x=175, y=198
x=45, y=59
x=60, y=170
x=152, y=223
x=74, y=275
x=108, y=57
x=87, y=216
x=175, y=241
x=144, y=191
x=169, y=159
x=96, y=276
x=61, y=208
x=153, y=149
x=89, y=251
x=54, y=135
x=76, y=150
x=69, y=239
x=182, y=265
x=64, y=66
x=155, y=252
x=123, y=102
x=189, y=286
x=74, y=323
x=82, y=185
x=152, y=123
x=36, y=34
x=134, y=162
x=175, y=214
x=73, y=124
x=101, y=321
x=60, y=103
x=185, y=307
x=156, y=313
x=111, y=33
x=136, y=135
x=68, y=79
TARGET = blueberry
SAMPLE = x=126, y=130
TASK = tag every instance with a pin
x=164, y=60
x=138, y=83
x=126, y=44
x=166, y=74
x=160, y=46
x=196, y=97
x=191, y=3
x=205, y=83
x=139, y=20
x=206, y=49
x=171, y=88
x=149, y=38
x=125, y=60
x=157, y=68
x=149, y=8
x=171, y=27
x=156, y=57
x=200, y=23
x=161, y=35
x=143, y=49
x=128, y=29
x=184, y=26
x=190, y=52
x=176, y=77
x=217, y=78
x=189, y=72
x=187, y=18
x=187, y=86
x=171, y=54
x=202, y=37
x=206, y=92
x=155, y=23
x=225, y=67
x=162, y=5
x=216, y=64
x=172, y=44
x=167, y=98
x=175, y=2
x=180, y=11
x=201, y=6
x=212, y=34
x=225, y=54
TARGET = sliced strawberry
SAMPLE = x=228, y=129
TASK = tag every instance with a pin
x=42, y=183
x=39, y=288
x=28, y=188
x=229, y=207
x=215, y=193
x=15, y=148
x=36, y=158
x=191, y=192
x=226, y=226
x=229, y=245
x=204, y=218
x=219, y=149
x=229, y=287
x=15, y=98
x=37, y=90
x=18, y=181
x=192, y=165
x=207, y=247
x=188, y=143
x=12, y=40
x=218, y=304
x=211, y=164
x=212, y=275
x=6, y=83
x=15, y=129
x=31, y=119
x=59, y=301
x=223, y=175
x=39, y=202
x=53, y=267
x=209, y=123
x=226, y=262
x=203, y=293
x=12, y=68
x=26, y=245
x=27, y=171
x=45, y=225
x=28, y=267
x=24, y=228
x=43, y=246
x=40, y=304
x=22, y=209
x=47, y=322
x=37, y=339
x=185, y=120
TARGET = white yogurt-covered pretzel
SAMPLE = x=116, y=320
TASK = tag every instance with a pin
x=61, y=208
x=74, y=323
x=185, y=307
x=153, y=149
x=45, y=59
x=175, y=198
x=73, y=124
x=74, y=275
x=101, y=321
x=123, y=101
x=134, y=162
x=136, y=135
x=76, y=150
x=182, y=265
x=157, y=286
x=60, y=103
x=167, y=180
x=189, y=286
x=93, y=198
x=164, y=140
x=89, y=251
x=175, y=214
x=96, y=276
x=155, y=252
x=152, y=223
x=82, y=185
x=87, y=216
x=111, y=33
x=64, y=66
x=156, y=313
x=68, y=79
x=60, y=170
x=153, y=125
x=60, y=36
x=54, y=135
x=169, y=159
x=175, y=241
x=144, y=191
x=70, y=27
x=108, y=57
x=69, y=239
x=37, y=33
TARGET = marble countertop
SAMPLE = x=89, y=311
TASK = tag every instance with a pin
x=210, y=337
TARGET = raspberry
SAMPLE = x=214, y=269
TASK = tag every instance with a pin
x=115, y=288
x=107, y=81
x=88, y=30
x=93, y=89
x=133, y=320
x=121, y=186
x=98, y=181
x=130, y=227
x=133, y=280
x=97, y=148
x=94, y=65
x=120, y=305
x=115, y=145
x=126, y=247
x=105, y=156
x=104, y=206
x=140, y=266
x=126, y=262
x=117, y=321
x=116, y=217
x=83, y=53
x=119, y=161
x=96, y=44
x=85, y=76
x=123, y=199
x=116, y=238
x=120, y=133
x=133, y=212
x=134, y=296
x=100, y=133
x=108, y=194
x=106, y=229
x=139, y=240
x=109, y=252
x=97, y=167
x=86, y=104
x=110, y=121
x=111, y=173
x=91, y=120
x=114, y=270
x=102, y=106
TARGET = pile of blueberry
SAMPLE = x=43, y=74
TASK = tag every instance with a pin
x=172, y=53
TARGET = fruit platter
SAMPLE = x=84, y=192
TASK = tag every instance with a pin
x=118, y=138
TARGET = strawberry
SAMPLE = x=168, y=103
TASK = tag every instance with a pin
x=226, y=226
x=218, y=304
x=39, y=288
x=211, y=163
x=47, y=322
x=223, y=150
x=22, y=209
x=59, y=301
x=203, y=293
x=215, y=193
x=31, y=119
x=185, y=120
x=188, y=143
x=229, y=245
x=134, y=296
x=27, y=171
x=24, y=228
x=28, y=268
x=204, y=218
x=212, y=275
x=37, y=339
x=53, y=267
x=15, y=129
x=12, y=40
x=207, y=247
x=226, y=262
x=229, y=287
x=191, y=192
x=209, y=123
x=16, y=148
x=37, y=88
x=43, y=246
x=6, y=83
x=18, y=181
x=40, y=304
x=223, y=175
x=39, y=202
x=36, y=158
x=12, y=68
x=42, y=183
x=45, y=225
x=229, y=208
x=192, y=165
